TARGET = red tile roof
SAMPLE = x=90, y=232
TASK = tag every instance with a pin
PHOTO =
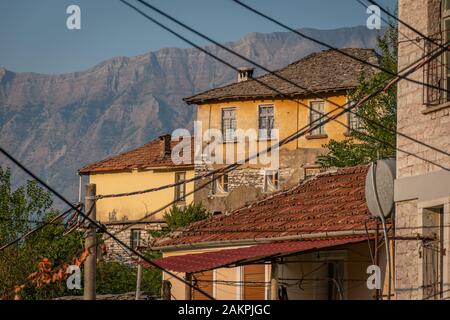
x=216, y=259
x=150, y=155
x=329, y=202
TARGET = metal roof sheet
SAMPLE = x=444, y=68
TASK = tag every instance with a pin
x=216, y=259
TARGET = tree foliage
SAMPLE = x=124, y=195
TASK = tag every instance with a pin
x=371, y=142
x=20, y=210
x=179, y=217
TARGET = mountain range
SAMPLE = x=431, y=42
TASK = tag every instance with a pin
x=55, y=124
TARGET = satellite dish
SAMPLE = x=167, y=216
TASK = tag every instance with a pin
x=380, y=187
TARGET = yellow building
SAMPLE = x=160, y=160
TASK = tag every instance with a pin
x=287, y=103
x=146, y=167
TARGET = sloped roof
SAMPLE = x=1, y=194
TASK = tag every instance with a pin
x=324, y=71
x=327, y=203
x=147, y=156
x=203, y=261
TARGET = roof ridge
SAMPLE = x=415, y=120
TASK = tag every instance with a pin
x=253, y=89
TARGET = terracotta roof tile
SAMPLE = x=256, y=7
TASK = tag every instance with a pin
x=329, y=202
x=150, y=155
x=319, y=72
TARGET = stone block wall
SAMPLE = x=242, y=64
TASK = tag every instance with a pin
x=430, y=124
x=246, y=184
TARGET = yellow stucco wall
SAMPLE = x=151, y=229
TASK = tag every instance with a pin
x=135, y=207
x=289, y=117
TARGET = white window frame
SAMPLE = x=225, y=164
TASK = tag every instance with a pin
x=217, y=188
x=132, y=238
x=228, y=135
x=320, y=131
x=276, y=175
x=178, y=187
x=263, y=134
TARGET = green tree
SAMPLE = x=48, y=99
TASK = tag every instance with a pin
x=360, y=147
x=21, y=210
x=179, y=217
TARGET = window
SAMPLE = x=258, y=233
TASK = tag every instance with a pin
x=335, y=276
x=220, y=185
x=433, y=252
x=113, y=216
x=266, y=121
x=446, y=37
x=317, y=109
x=271, y=181
x=354, y=121
x=229, y=124
x=204, y=281
x=135, y=238
x=180, y=190
x=254, y=282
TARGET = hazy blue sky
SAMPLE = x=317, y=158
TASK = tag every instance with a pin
x=34, y=36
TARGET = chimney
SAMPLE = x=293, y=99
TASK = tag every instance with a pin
x=165, y=141
x=245, y=73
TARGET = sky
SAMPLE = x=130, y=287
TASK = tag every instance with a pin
x=35, y=38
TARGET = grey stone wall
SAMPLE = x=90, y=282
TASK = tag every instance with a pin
x=246, y=184
x=427, y=124
x=115, y=252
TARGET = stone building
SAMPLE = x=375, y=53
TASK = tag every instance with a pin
x=422, y=190
x=274, y=112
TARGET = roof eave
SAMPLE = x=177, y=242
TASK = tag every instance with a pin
x=243, y=242
x=191, y=100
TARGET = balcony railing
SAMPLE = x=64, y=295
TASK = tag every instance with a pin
x=436, y=73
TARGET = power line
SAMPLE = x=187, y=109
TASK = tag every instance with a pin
x=95, y=223
x=34, y=230
x=231, y=167
x=286, y=140
x=409, y=27
x=198, y=33
x=303, y=35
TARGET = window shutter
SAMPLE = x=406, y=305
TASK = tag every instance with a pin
x=254, y=282
x=202, y=280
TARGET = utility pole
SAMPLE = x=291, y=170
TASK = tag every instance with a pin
x=187, y=288
x=138, y=280
x=90, y=265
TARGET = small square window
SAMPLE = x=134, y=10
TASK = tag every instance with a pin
x=135, y=238
x=180, y=190
x=271, y=181
x=220, y=185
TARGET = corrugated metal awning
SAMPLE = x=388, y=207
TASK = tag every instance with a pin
x=215, y=259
